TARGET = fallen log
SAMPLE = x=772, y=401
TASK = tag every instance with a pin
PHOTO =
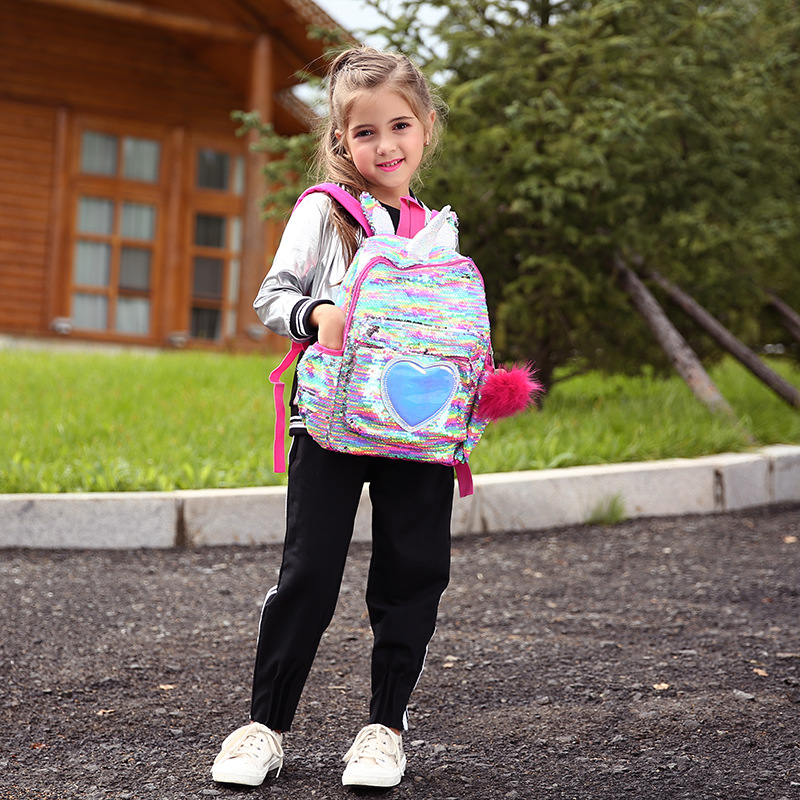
x=789, y=317
x=729, y=342
x=678, y=350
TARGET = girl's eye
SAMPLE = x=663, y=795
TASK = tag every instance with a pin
x=362, y=134
x=402, y=126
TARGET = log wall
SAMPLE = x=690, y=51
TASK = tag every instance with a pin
x=58, y=66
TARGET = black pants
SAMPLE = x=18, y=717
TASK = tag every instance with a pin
x=409, y=570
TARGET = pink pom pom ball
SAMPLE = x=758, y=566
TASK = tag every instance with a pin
x=508, y=391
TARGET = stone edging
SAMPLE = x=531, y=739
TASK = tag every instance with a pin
x=510, y=501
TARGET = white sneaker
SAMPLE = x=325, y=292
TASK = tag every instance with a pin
x=375, y=759
x=248, y=755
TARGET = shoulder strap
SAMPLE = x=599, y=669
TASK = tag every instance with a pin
x=351, y=205
x=279, y=431
x=412, y=217
x=279, y=435
x=412, y=212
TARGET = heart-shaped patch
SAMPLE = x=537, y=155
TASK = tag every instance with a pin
x=415, y=393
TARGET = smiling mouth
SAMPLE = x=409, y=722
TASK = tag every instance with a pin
x=391, y=164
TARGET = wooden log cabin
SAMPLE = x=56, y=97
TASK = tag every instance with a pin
x=129, y=208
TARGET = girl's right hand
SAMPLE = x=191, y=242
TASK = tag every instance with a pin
x=329, y=321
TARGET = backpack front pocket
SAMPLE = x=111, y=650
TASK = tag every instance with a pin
x=414, y=392
x=317, y=379
x=408, y=383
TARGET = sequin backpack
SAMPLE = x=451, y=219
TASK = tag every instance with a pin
x=417, y=352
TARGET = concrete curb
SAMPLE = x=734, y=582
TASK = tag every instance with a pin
x=502, y=502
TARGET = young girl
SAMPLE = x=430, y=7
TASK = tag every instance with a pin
x=382, y=121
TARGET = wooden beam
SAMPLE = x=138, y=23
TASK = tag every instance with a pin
x=55, y=302
x=260, y=98
x=311, y=12
x=167, y=20
x=174, y=284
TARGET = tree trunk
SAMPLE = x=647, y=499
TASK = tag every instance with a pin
x=789, y=317
x=680, y=354
x=726, y=339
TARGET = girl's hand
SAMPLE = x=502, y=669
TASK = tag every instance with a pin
x=329, y=321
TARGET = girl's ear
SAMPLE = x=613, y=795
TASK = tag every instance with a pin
x=338, y=134
x=429, y=126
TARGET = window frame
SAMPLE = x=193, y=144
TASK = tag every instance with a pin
x=119, y=190
x=217, y=203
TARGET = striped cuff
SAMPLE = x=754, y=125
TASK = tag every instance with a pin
x=300, y=328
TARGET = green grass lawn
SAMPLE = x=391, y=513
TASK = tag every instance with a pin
x=89, y=421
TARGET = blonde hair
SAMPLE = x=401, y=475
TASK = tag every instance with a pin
x=352, y=73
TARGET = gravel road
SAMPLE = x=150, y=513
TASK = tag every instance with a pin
x=653, y=659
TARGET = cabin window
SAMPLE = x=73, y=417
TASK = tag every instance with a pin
x=156, y=232
x=112, y=265
x=216, y=244
x=140, y=159
x=220, y=170
x=99, y=153
x=215, y=283
x=125, y=156
x=115, y=233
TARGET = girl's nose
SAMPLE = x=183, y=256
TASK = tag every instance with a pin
x=385, y=145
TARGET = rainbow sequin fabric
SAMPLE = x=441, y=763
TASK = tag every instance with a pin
x=416, y=348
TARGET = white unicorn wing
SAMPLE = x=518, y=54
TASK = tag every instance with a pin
x=437, y=233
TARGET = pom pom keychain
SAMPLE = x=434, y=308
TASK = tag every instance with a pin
x=508, y=391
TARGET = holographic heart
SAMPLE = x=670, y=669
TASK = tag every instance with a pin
x=415, y=393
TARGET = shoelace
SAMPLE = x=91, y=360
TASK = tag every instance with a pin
x=251, y=741
x=373, y=742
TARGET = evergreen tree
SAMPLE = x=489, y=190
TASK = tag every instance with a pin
x=665, y=131
x=664, y=134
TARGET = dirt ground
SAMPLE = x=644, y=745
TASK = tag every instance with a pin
x=652, y=659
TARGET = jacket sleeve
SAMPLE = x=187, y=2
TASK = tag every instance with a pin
x=295, y=283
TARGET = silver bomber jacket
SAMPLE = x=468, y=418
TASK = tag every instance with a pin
x=308, y=266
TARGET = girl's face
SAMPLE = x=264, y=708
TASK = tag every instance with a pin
x=386, y=142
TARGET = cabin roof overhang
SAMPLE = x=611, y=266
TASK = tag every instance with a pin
x=222, y=32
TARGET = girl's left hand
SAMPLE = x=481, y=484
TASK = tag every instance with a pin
x=329, y=320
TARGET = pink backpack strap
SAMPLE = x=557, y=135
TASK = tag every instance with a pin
x=344, y=198
x=464, y=475
x=412, y=217
x=412, y=212
x=279, y=435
